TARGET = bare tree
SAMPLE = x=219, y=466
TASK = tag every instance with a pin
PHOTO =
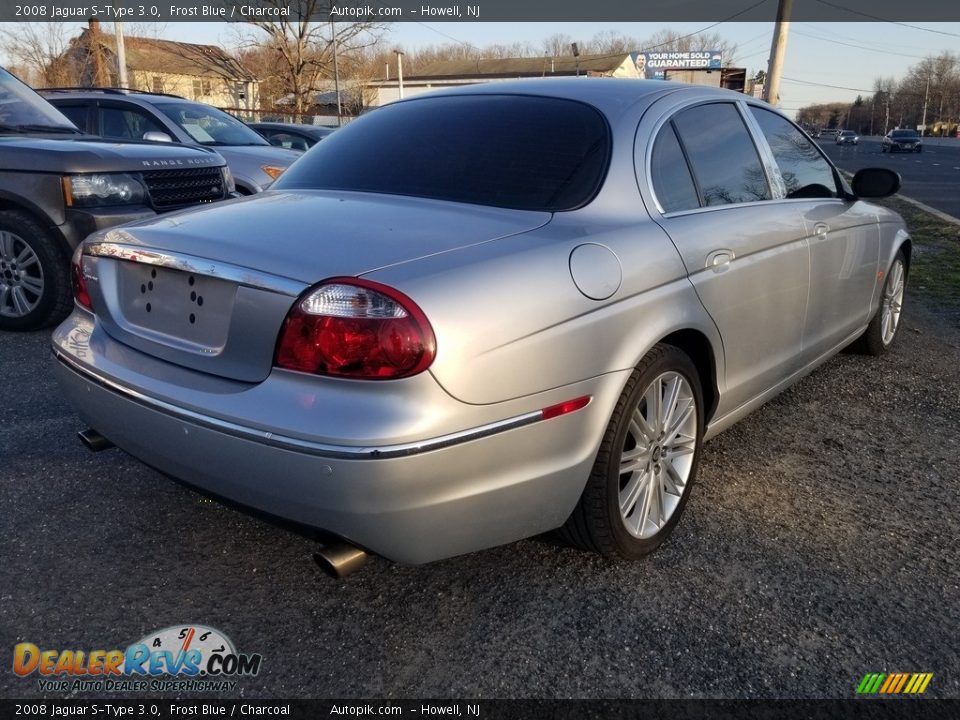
x=301, y=49
x=557, y=45
x=37, y=49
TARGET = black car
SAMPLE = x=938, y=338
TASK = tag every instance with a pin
x=901, y=139
x=58, y=185
x=295, y=136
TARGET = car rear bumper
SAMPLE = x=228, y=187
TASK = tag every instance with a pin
x=415, y=502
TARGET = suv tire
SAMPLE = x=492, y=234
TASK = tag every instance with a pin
x=35, y=289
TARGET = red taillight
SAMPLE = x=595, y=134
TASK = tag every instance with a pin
x=80, y=292
x=347, y=327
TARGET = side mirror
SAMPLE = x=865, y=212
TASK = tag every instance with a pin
x=157, y=136
x=875, y=183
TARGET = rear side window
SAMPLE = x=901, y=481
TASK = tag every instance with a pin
x=670, y=175
x=805, y=172
x=521, y=152
x=722, y=155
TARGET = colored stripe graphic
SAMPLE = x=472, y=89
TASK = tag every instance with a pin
x=915, y=680
x=901, y=682
x=894, y=683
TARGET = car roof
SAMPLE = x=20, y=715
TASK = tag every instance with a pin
x=609, y=95
x=137, y=98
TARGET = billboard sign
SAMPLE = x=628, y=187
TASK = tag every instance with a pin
x=655, y=64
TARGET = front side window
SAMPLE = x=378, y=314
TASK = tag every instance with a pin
x=126, y=124
x=76, y=113
x=722, y=156
x=805, y=172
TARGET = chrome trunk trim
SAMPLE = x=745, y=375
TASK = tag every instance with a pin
x=193, y=264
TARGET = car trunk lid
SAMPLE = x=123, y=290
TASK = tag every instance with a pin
x=210, y=289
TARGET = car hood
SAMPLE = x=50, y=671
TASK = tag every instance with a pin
x=309, y=235
x=263, y=154
x=84, y=155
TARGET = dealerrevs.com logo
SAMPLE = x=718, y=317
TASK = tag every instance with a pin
x=180, y=658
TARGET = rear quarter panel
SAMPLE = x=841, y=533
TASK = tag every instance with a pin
x=509, y=319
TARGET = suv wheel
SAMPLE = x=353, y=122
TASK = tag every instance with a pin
x=34, y=275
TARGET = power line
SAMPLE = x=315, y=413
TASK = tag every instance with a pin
x=881, y=19
x=450, y=37
x=819, y=27
x=836, y=87
x=859, y=47
x=710, y=27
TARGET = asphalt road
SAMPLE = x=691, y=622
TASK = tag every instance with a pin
x=820, y=544
x=931, y=176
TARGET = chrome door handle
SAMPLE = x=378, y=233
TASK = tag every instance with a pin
x=821, y=229
x=719, y=259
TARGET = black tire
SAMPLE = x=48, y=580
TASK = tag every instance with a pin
x=872, y=341
x=56, y=297
x=596, y=523
x=919, y=149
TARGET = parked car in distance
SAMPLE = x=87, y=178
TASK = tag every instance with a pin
x=520, y=306
x=847, y=137
x=121, y=114
x=293, y=136
x=901, y=139
x=58, y=185
x=828, y=133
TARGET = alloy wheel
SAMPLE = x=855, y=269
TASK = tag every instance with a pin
x=21, y=276
x=658, y=454
x=892, y=303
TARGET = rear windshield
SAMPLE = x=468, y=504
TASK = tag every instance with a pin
x=520, y=152
x=904, y=133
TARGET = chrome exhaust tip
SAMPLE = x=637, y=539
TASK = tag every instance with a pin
x=94, y=440
x=338, y=559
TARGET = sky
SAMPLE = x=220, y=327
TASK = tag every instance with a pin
x=825, y=62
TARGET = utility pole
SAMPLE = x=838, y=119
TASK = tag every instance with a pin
x=336, y=74
x=771, y=91
x=926, y=98
x=400, y=71
x=121, y=55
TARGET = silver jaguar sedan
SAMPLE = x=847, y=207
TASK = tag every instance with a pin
x=482, y=314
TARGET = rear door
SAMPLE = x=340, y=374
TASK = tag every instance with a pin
x=745, y=252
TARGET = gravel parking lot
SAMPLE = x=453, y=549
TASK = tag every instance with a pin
x=820, y=544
